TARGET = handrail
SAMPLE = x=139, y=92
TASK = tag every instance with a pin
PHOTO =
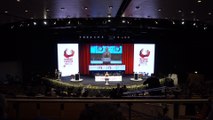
x=104, y=100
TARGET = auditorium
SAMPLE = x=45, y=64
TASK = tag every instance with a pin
x=106, y=59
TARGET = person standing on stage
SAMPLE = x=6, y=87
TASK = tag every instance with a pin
x=106, y=56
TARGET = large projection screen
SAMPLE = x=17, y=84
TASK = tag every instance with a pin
x=144, y=58
x=106, y=58
x=68, y=58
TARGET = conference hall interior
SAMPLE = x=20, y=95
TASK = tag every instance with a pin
x=106, y=60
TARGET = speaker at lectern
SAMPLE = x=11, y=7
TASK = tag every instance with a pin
x=135, y=76
x=77, y=76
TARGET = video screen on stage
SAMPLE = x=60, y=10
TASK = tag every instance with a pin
x=144, y=58
x=102, y=54
x=106, y=57
x=68, y=58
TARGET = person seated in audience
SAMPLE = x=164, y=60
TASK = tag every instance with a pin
x=124, y=89
x=3, y=114
x=116, y=92
x=153, y=82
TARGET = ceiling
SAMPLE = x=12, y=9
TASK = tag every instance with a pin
x=193, y=10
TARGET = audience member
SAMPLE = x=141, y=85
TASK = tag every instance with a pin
x=124, y=89
x=153, y=82
x=118, y=91
x=3, y=115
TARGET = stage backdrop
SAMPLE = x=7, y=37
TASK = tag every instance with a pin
x=84, y=55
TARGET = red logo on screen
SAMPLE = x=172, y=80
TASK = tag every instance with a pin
x=68, y=55
x=146, y=54
x=143, y=57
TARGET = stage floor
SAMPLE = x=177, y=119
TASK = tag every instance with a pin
x=90, y=80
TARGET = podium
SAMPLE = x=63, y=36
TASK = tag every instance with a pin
x=106, y=81
x=76, y=78
x=135, y=76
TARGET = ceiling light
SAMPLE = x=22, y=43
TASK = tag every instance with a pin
x=209, y=13
x=85, y=8
x=159, y=10
x=109, y=15
x=173, y=22
x=45, y=16
x=110, y=7
x=25, y=11
x=45, y=22
x=179, y=11
x=5, y=11
x=34, y=23
x=12, y=27
x=182, y=22
x=18, y=0
x=199, y=1
x=192, y=12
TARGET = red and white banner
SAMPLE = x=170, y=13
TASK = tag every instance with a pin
x=106, y=67
x=144, y=58
x=68, y=59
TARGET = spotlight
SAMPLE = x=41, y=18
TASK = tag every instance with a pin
x=34, y=23
x=173, y=22
x=45, y=22
x=194, y=24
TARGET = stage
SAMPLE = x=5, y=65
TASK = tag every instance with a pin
x=134, y=87
x=90, y=80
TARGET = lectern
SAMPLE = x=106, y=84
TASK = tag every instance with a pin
x=135, y=76
x=77, y=76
